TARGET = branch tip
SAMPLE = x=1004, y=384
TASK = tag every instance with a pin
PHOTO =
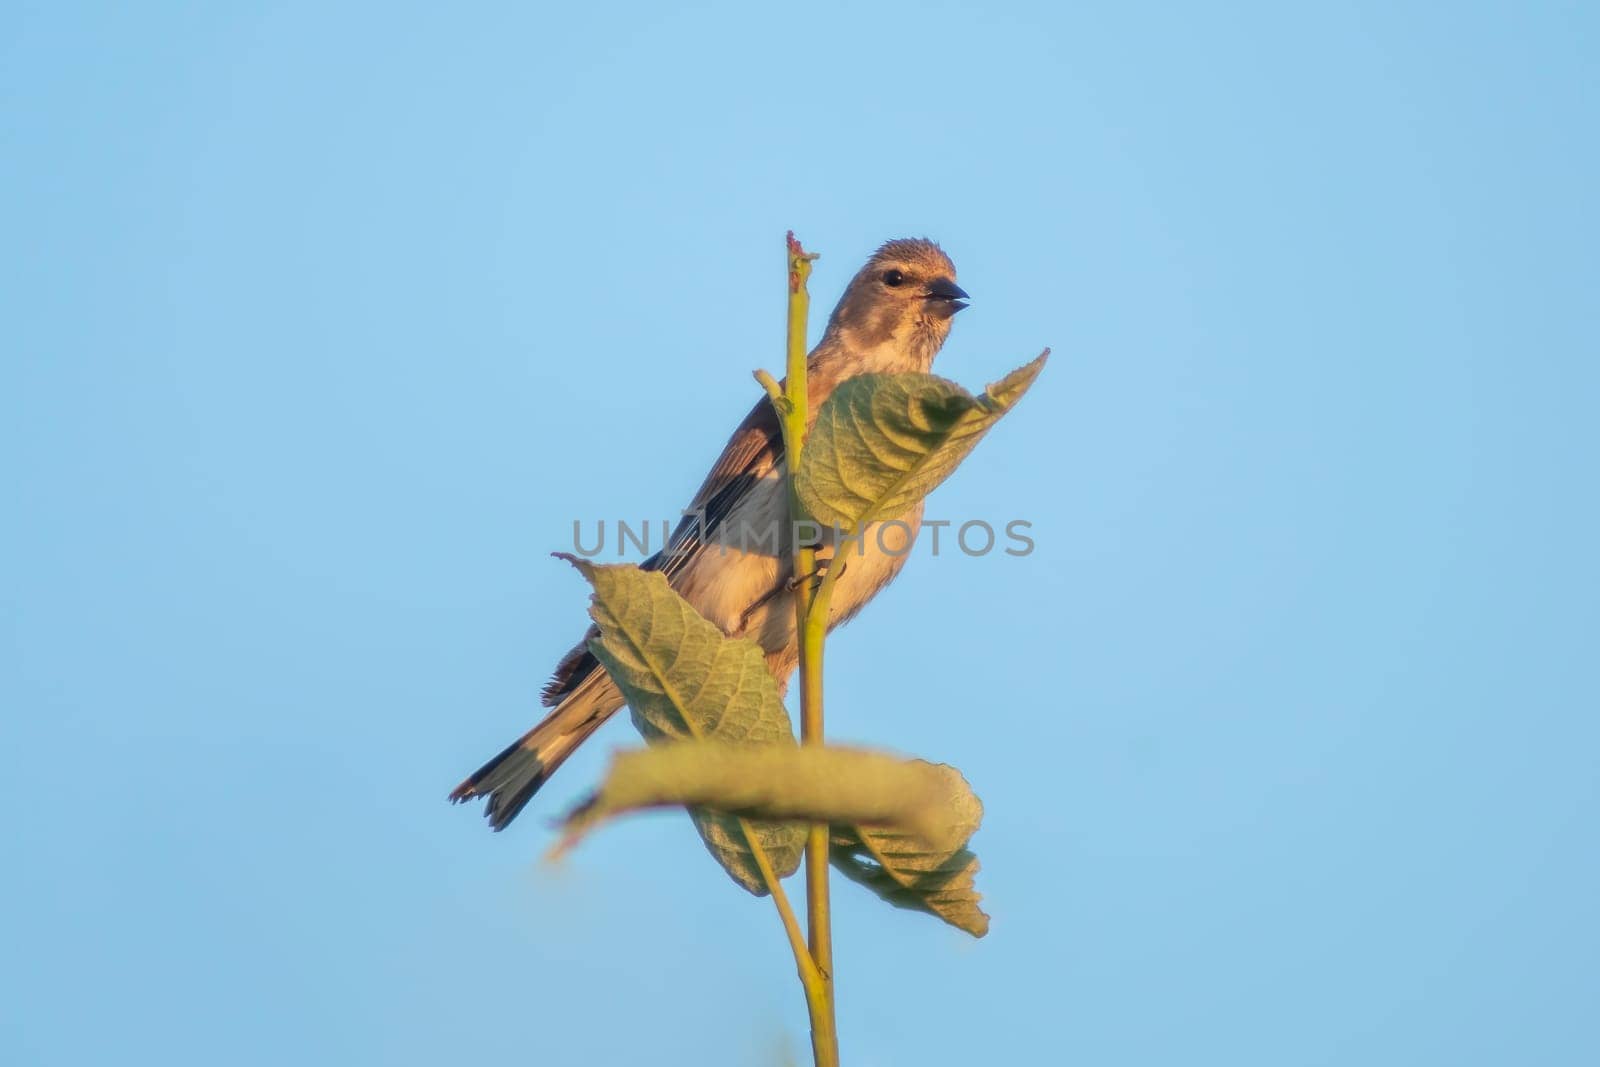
x=770, y=384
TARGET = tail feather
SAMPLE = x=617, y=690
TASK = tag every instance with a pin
x=512, y=778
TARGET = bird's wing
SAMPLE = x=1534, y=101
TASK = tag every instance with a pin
x=753, y=452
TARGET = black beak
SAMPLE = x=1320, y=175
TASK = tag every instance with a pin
x=946, y=297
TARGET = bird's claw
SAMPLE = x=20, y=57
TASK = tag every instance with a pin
x=816, y=576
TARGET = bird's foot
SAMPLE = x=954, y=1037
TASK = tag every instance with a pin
x=816, y=576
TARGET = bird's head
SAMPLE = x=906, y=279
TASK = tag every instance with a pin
x=900, y=303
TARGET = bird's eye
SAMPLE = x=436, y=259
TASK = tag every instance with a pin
x=893, y=278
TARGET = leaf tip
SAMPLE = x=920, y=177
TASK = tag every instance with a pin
x=573, y=827
x=583, y=566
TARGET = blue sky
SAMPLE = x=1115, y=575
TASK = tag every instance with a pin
x=323, y=323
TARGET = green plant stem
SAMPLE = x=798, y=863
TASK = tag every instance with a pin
x=819, y=1000
x=792, y=413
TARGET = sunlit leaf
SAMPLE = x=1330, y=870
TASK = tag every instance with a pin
x=882, y=442
x=911, y=801
x=908, y=872
x=685, y=680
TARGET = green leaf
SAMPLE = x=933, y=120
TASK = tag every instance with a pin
x=908, y=801
x=683, y=680
x=882, y=442
x=910, y=873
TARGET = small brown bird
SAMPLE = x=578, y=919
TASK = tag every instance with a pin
x=893, y=317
